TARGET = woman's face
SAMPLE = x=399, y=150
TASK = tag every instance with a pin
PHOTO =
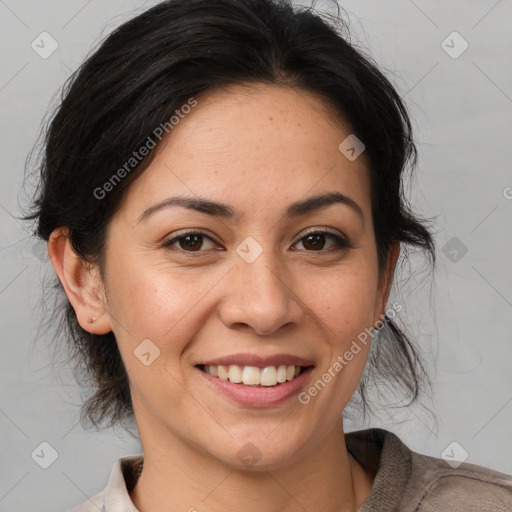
x=249, y=284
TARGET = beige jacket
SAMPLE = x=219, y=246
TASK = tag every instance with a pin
x=406, y=481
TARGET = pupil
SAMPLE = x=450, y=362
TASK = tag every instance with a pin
x=315, y=243
x=189, y=237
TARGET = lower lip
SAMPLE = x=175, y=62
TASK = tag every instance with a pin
x=261, y=396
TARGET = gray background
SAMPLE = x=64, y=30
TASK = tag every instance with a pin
x=462, y=110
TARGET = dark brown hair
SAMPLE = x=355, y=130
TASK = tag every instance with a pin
x=149, y=67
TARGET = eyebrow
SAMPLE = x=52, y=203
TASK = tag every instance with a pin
x=225, y=211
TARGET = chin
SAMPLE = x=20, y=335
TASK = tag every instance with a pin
x=261, y=452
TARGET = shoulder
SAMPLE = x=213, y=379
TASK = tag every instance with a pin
x=115, y=496
x=436, y=486
x=407, y=481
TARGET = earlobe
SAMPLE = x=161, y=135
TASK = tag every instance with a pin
x=82, y=283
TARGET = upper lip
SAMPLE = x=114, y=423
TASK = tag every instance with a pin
x=257, y=360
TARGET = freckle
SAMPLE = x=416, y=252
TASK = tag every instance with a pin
x=270, y=118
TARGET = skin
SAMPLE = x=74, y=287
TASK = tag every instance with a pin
x=258, y=149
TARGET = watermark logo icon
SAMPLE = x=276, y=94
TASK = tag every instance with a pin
x=454, y=454
x=40, y=250
x=44, y=45
x=249, y=249
x=454, y=45
x=249, y=454
x=454, y=249
x=44, y=455
x=146, y=352
x=351, y=147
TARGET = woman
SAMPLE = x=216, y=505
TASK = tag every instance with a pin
x=222, y=200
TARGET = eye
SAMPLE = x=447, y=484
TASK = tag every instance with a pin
x=189, y=242
x=315, y=241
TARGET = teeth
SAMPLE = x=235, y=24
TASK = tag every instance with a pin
x=221, y=370
x=281, y=373
x=252, y=375
x=268, y=376
x=235, y=374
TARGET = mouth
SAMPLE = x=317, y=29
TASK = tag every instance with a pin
x=254, y=376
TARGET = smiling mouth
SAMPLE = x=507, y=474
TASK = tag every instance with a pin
x=252, y=375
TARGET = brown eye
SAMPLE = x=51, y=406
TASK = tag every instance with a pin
x=192, y=242
x=188, y=242
x=315, y=241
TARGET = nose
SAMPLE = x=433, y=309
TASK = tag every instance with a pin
x=260, y=296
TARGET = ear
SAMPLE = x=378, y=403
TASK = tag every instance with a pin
x=385, y=281
x=82, y=283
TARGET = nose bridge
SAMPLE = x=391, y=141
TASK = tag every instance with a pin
x=260, y=294
x=260, y=277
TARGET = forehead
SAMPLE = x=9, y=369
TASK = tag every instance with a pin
x=253, y=147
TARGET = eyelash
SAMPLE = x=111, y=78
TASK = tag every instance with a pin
x=339, y=242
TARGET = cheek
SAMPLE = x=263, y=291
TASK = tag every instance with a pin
x=344, y=303
x=153, y=323
x=148, y=304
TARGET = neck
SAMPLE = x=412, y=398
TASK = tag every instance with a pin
x=326, y=479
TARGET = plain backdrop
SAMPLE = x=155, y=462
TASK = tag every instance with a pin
x=452, y=62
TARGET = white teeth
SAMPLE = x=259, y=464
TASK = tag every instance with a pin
x=281, y=373
x=269, y=376
x=222, y=371
x=235, y=373
x=252, y=375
